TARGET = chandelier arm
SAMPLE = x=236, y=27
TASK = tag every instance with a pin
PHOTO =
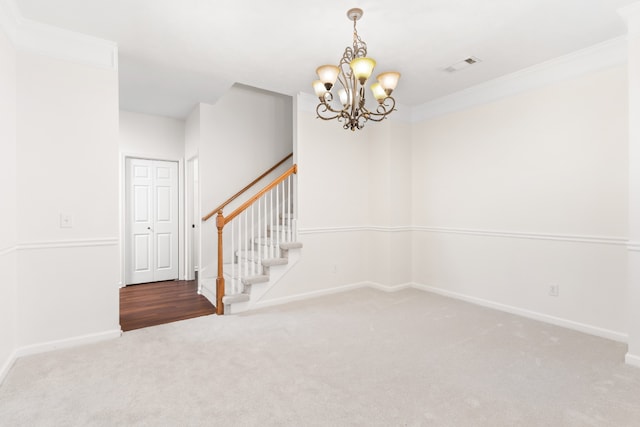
x=323, y=108
x=382, y=111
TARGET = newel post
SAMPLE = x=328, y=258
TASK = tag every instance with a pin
x=220, y=278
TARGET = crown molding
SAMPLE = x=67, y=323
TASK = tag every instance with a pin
x=631, y=14
x=632, y=9
x=600, y=56
x=31, y=36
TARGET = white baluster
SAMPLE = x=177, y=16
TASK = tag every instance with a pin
x=239, y=219
x=266, y=221
x=244, y=242
x=289, y=209
x=253, y=261
x=294, y=183
x=233, y=253
x=277, y=248
x=258, y=246
x=271, y=238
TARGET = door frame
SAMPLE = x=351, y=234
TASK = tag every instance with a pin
x=122, y=211
x=192, y=216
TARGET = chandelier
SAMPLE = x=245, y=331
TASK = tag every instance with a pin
x=353, y=71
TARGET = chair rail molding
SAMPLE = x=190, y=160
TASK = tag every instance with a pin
x=68, y=243
x=8, y=250
x=353, y=229
x=574, y=238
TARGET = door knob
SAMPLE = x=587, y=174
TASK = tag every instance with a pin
x=149, y=228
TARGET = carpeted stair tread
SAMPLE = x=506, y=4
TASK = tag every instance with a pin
x=274, y=261
x=290, y=245
x=235, y=298
x=252, y=280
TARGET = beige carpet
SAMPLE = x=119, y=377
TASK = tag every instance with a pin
x=362, y=358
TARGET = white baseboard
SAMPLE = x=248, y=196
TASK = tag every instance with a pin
x=558, y=321
x=632, y=360
x=565, y=323
x=330, y=291
x=68, y=342
x=6, y=367
x=209, y=294
x=56, y=345
x=391, y=288
x=312, y=294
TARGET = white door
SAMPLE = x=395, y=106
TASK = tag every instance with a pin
x=152, y=221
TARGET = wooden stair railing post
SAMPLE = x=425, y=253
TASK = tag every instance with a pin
x=220, y=278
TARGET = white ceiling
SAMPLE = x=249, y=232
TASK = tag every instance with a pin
x=174, y=54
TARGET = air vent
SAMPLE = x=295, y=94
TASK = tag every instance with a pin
x=461, y=65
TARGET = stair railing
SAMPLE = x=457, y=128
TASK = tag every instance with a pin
x=241, y=192
x=269, y=211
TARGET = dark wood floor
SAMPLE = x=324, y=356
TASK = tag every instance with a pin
x=151, y=304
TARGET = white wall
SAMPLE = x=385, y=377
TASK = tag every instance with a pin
x=525, y=192
x=192, y=134
x=632, y=16
x=8, y=213
x=67, y=163
x=245, y=133
x=153, y=137
x=149, y=136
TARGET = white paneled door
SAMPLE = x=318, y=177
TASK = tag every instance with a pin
x=151, y=221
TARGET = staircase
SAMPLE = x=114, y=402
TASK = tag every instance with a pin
x=254, y=270
x=257, y=244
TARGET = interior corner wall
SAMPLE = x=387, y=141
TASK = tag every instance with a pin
x=527, y=192
x=333, y=207
x=389, y=253
x=9, y=211
x=353, y=189
x=246, y=132
x=67, y=164
x=192, y=133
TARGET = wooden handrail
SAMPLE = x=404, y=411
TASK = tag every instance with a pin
x=293, y=169
x=239, y=193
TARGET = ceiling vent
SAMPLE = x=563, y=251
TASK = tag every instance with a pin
x=465, y=63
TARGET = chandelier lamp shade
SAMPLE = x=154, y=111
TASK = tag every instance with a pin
x=352, y=74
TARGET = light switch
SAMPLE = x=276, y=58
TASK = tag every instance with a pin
x=66, y=221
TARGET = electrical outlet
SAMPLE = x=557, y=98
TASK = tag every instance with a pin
x=554, y=290
x=66, y=221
